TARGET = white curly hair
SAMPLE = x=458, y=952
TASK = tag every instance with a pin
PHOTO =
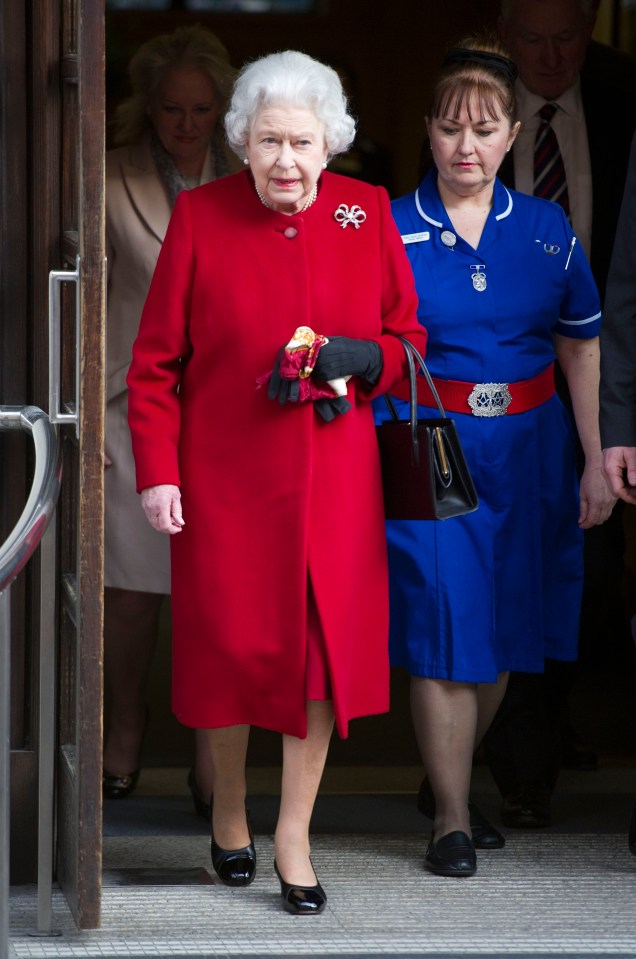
x=289, y=78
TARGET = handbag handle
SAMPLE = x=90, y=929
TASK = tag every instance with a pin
x=413, y=354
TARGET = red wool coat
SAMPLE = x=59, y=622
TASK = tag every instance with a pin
x=272, y=495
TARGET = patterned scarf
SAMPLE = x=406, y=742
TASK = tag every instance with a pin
x=173, y=181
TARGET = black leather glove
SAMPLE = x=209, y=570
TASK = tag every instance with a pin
x=285, y=391
x=329, y=407
x=344, y=356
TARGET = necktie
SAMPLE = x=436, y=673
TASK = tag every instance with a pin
x=549, y=172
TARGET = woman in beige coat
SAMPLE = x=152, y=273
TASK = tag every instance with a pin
x=171, y=140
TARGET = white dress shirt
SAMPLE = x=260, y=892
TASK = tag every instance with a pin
x=571, y=132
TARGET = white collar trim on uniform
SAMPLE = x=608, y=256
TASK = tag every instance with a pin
x=421, y=211
x=499, y=216
x=508, y=210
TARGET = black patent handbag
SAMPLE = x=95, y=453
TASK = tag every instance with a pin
x=424, y=471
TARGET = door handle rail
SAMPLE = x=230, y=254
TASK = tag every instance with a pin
x=56, y=278
x=22, y=542
x=15, y=552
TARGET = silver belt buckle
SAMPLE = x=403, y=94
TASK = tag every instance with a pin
x=489, y=399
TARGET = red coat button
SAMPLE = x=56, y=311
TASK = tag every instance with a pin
x=290, y=232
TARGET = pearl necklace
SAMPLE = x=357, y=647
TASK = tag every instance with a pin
x=310, y=199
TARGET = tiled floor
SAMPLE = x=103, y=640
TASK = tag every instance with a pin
x=568, y=891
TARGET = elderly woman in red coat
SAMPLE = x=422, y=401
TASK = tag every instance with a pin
x=273, y=498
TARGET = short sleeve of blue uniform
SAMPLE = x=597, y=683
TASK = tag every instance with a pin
x=580, y=314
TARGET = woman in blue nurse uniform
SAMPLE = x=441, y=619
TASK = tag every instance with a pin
x=504, y=290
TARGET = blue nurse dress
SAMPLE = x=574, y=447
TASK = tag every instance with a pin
x=500, y=588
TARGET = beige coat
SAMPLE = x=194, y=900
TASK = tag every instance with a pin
x=137, y=215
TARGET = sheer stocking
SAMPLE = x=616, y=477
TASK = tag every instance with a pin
x=449, y=719
x=303, y=766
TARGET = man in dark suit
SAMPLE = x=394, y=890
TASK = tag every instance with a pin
x=618, y=366
x=618, y=361
x=550, y=41
x=593, y=89
x=608, y=90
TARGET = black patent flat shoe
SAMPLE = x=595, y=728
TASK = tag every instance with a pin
x=235, y=867
x=201, y=807
x=118, y=787
x=452, y=855
x=484, y=834
x=301, y=900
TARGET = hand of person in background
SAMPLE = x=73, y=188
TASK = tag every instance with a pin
x=162, y=506
x=619, y=468
x=344, y=356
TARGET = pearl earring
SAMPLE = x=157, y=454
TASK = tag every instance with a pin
x=324, y=166
x=246, y=161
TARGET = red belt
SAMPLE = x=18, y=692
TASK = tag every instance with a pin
x=484, y=399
